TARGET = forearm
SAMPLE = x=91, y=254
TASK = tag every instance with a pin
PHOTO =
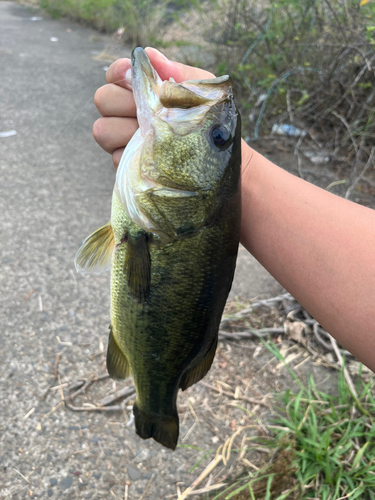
x=320, y=247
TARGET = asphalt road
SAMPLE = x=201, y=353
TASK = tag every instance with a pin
x=55, y=187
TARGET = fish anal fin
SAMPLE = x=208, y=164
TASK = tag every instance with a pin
x=196, y=373
x=95, y=253
x=137, y=266
x=117, y=364
x=164, y=430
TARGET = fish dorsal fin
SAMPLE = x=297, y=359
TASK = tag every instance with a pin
x=95, y=253
x=117, y=364
x=137, y=266
x=195, y=374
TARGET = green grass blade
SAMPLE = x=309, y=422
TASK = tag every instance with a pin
x=359, y=455
x=268, y=488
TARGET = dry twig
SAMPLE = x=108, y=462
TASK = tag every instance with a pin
x=55, y=368
x=126, y=392
x=254, y=401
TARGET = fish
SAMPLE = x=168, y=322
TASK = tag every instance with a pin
x=171, y=242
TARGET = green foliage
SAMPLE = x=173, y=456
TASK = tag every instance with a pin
x=222, y=68
x=324, y=445
x=313, y=61
x=141, y=19
x=333, y=440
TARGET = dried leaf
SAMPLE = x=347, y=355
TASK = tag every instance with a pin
x=295, y=331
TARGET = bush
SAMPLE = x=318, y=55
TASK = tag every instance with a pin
x=310, y=64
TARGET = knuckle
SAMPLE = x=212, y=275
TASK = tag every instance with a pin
x=114, y=70
x=99, y=98
x=97, y=130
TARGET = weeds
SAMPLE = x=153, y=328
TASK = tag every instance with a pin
x=136, y=20
x=310, y=64
x=322, y=446
x=313, y=442
x=333, y=440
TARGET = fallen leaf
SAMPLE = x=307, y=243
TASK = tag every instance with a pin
x=295, y=330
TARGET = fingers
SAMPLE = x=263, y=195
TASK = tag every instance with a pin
x=116, y=104
x=116, y=157
x=113, y=100
x=165, y=68
x=114, y=132
x=180, y=72
x=118, y=73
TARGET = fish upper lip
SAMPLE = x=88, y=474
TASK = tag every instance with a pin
x=146, y=88
x=140, y=60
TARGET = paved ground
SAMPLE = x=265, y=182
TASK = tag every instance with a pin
x=55, y=189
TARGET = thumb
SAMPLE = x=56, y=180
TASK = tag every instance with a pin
x=180, y=72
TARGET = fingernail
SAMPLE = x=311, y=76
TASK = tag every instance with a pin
x=128, y=77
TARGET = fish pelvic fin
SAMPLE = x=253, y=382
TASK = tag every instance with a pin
x=95, y=253
x=137, y=266
x=164, y=430
x=117, y=364
x=195, y=374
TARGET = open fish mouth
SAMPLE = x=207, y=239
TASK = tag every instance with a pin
x=151, y=94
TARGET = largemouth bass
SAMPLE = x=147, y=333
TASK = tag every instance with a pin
x=172, y=241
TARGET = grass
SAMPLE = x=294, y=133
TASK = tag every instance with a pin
x=138, y=20
x=322, y=446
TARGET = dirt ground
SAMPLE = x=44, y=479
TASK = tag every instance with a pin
x=55, y=189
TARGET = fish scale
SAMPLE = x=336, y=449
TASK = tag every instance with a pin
x=171, y=243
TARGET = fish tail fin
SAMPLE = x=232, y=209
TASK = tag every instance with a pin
x=164, y=430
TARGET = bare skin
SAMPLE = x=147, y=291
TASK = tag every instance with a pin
x=320, y=247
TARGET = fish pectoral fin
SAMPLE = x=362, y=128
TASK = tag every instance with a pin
x=195, y=374
x=137, y=266
x=164, y=430
x=117, y=364
x=95, y=253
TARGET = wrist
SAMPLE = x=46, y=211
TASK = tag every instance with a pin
x=248, y=181
x=247, y=154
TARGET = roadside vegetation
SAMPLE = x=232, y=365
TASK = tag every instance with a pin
x=322, y=447
x=312, y=443
x=302, y=70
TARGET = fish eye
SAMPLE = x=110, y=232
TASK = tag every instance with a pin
x=220, y=135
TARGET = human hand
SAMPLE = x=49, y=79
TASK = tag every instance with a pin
x=115, y=102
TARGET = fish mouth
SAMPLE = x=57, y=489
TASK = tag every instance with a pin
x=146, y=85
x=151, y=94
x=141, y=64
